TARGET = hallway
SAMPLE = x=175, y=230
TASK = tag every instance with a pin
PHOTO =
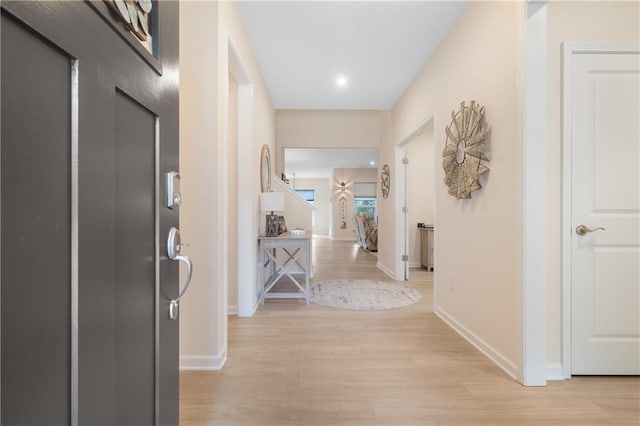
x=293, y=364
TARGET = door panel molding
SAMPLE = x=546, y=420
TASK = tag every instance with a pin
x=569, y=50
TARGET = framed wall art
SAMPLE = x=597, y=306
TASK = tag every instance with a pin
x=385, y=181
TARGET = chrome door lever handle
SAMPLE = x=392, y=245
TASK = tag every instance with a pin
x=584, y=230
x=173, y=251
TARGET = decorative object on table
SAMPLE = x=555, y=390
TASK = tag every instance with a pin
x=135, y=15
x=363, y=295
x=385, y=181
x=343, y=213
x=265, y=169
x=282, y=225
x=271, y=202
x=297, y=232
x=464, y=151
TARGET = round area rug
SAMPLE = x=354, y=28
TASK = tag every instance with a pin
x=363, y=295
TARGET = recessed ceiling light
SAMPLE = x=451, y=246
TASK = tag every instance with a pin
x=341, y=81
x=372, y=162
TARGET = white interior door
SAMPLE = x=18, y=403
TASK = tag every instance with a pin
x=604, y=111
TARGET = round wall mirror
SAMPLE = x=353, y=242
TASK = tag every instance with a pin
x=265, y=169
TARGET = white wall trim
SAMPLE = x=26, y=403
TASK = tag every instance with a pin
x=223, y=146
x=203, y=362
x=500, y=360
x=555, y=371
x=255, y=307
x=247, y=252
x=534, y=248
x=568, y=50
x=385, y=270
x=233, y=309
x=428, y=121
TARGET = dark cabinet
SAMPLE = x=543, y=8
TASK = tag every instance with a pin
x=426, y=247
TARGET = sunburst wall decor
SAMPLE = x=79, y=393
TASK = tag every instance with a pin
x=134, y=14
x=464, y=151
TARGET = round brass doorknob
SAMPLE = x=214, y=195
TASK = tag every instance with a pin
x=584, y=230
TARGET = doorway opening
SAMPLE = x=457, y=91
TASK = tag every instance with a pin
x=343, y=182
x=240, y=256
x=338, y=177
x=415, y=161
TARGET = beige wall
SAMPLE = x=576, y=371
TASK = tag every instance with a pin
x=321, y=203
x=388, y=249
x=349, y=176
x=478, y=241
x=206, y=28
x=326, y=129
x=198, y=150
x=605, y=21
x=419, y=189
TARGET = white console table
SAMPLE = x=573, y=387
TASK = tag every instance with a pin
x=295, y=251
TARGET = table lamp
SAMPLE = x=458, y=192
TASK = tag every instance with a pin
x=270, y=202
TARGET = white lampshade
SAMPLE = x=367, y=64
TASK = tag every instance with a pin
x=271, y=201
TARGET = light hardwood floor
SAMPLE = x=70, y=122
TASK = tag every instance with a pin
x=293, y=364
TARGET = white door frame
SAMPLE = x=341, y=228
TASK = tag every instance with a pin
x=246, y=199
x=532, y=293
x=400, y=189
x=568, y=52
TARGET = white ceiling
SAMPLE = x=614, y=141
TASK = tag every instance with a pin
x=303, y=46
x=318, y=163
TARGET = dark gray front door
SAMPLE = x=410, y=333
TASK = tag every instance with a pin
x=89, y=130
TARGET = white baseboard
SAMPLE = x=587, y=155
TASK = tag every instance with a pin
x=415, y=264
x=386, y=270
x=555, y=371
x=344, y=239
x=254, y=308
x=500, y=360
x=232, y=310
x=203, y=362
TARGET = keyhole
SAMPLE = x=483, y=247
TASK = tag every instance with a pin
x=460, y=151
